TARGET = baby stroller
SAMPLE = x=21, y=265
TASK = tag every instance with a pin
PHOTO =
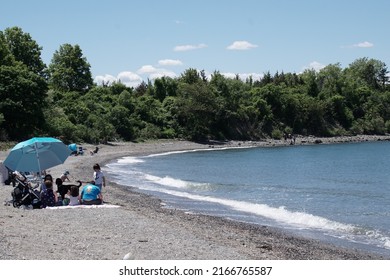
x=23, y=193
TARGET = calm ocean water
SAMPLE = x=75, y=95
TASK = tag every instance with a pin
x=336, y=193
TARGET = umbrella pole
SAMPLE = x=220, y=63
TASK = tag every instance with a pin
x=39, y=164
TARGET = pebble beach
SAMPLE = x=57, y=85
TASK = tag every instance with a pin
x=140, y=227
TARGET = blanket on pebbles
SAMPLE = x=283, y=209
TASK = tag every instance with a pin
x=82, y=206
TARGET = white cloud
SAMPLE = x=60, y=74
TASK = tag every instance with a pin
x=146, y=69
x=229, y=75
x=105, y=79
x=243, y=76
x=169, y=62
x=130, y=79
x=255, y=76
x=363, y=45
x=162, y=73
x=154, y=73
x=314, y=65
x=184, y=48
x=241, y=45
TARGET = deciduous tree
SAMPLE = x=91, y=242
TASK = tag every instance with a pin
x=69, y=70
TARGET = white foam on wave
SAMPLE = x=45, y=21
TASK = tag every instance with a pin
x=178, y=152
x=122, y=165
x=129, y=160
x=170, y=182
x=375, y=234
x=296, y=219
x=197, y=150
x=299, y=220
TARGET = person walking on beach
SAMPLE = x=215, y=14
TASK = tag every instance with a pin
x=98, y=177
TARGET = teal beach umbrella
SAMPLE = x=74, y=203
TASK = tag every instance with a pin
x=37, y=154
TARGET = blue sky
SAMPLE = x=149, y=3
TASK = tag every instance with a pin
x=136, y=40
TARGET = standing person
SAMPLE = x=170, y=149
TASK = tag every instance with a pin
x=98, y=177
x=91, y=194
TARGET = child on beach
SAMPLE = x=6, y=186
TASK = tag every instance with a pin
x=48, y=177
x=98, y=177
x=64, y=176
x=73, y=195
x=48, y=196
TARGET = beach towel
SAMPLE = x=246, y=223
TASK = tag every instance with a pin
x=82, y=206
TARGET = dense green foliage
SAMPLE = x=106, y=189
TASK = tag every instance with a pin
x=22, y=85
x=69, y=70
x=61, y=100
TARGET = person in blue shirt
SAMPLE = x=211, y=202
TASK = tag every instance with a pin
x=91, y=194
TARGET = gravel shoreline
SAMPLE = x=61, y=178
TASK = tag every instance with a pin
x=142, y=228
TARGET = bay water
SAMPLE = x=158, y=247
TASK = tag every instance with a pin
x=337, y=193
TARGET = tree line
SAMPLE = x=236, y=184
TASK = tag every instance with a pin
x=61, y=100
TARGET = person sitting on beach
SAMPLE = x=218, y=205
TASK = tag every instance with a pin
x=63, y=190
x=73, y=195
x=95, y=151
x=48, y=177
x=64, y=176
x=48, y=196
x=91, y=194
